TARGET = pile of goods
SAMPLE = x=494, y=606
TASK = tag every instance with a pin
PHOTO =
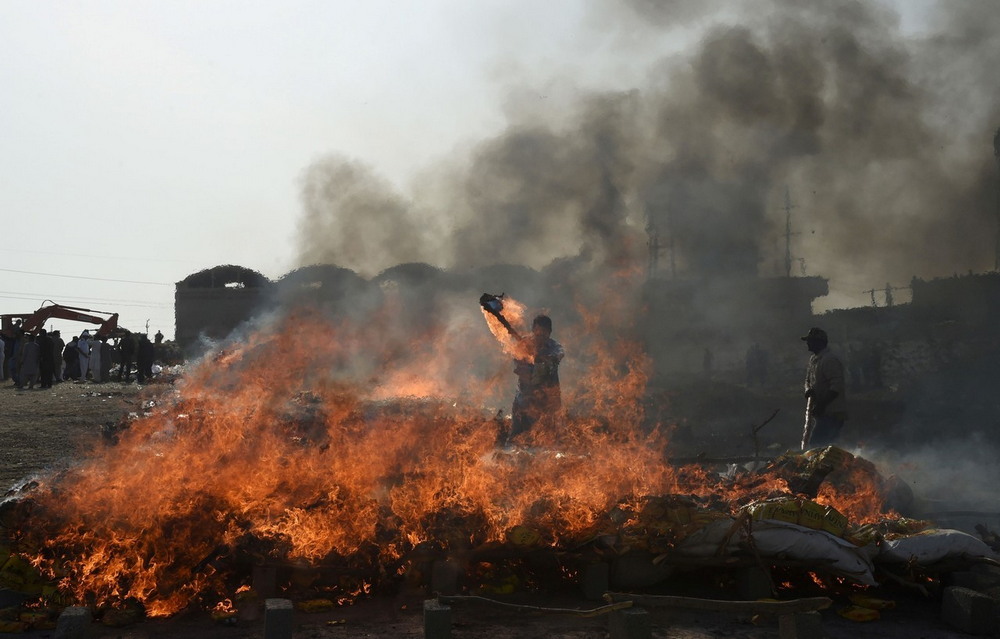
x=799, y=526
x=808, y=511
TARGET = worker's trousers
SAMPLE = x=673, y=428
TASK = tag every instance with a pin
x=827, y=431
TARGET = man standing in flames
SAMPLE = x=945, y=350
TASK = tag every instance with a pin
x=538, y=392
x=826, y=402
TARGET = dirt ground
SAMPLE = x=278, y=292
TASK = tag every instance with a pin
x=42, y=430
x=45, y=429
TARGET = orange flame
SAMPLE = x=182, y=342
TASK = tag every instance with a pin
x=860, y=496
x=350, y=442
x=514, y=312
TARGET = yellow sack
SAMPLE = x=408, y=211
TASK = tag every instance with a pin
x=834, y=522
x=20, y=576
x=865, y=535
x=38, y=619
x=33, y=617
x=762, y=510
x=14, y=626
x=787, y=510
x=858, y=613
x=223, y=615
x=831, y=456
x=523, y=537
x=871, y=602
x=504, y=586
x=314, y=605
x=811, y=515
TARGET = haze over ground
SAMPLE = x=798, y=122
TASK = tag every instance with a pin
x=145, y=141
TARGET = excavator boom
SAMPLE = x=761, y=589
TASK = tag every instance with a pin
x=31, y=322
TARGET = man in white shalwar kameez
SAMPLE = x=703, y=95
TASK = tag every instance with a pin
x=83, y=347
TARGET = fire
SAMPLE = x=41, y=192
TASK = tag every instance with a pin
x=515, y=313
x=282, y=451
x=224, y=607
x=860, y=497
x=351, y=442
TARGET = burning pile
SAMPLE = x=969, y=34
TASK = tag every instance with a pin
x=273, y=453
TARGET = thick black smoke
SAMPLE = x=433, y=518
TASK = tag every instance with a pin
x=352, y=218
x=882, y=136
x=883, y=139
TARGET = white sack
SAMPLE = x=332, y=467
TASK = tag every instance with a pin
x=705, y=541
x=933, y=545
x=780, y=539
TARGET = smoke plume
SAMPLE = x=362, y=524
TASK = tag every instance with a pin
x=881, y=137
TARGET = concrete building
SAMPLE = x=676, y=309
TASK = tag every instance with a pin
x=213, y=302
x=708, y=325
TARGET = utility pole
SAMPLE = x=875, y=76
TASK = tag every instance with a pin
x=996, y=154
x=654, y=246
x=670, y=247
x=788, y=233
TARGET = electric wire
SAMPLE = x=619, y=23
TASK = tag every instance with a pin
x=88, y=300
x=84, y=277
x=100, y=257
x=20, y=295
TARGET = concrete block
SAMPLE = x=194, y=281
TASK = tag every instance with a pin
x=754, y=583
x=630, y=623
x=278, y=621
x=968, y=610
x=445, y=577
x=595, y=580
x=801, y=625
x=437, y=620
x=74, y=623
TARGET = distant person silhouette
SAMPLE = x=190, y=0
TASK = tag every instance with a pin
x=826, y=400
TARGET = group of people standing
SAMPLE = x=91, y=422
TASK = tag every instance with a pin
x=42, y=358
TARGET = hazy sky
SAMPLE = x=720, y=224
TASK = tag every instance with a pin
x=143, y=141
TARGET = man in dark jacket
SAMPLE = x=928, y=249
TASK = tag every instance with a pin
x=144, y=359
x=538, y=391
x=126, y=352
x=14, y=355
x=826, y=404
x=27, y=368
x=46, y=360
x=71, y=358
x=57, y=356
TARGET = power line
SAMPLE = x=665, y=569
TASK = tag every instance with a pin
x=84, y=277
x=12, y=295
x=102, y=257
x=50, y=296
